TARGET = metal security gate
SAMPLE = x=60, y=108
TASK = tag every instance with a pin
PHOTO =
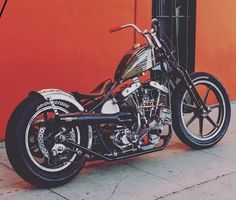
x=178, y=21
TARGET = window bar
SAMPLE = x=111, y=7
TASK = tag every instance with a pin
x=187, y=32
x=176, y=29
x=171, y=24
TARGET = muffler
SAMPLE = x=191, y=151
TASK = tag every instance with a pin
x=95, y=118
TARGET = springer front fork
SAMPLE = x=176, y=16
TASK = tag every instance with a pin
x=192, y=91
x=187, y=81
x=183, y=75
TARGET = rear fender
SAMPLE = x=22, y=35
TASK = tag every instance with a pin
x=55, y=94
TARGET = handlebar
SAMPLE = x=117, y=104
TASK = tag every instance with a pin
x=155, y=25
x=150, y=36
x=118, y=28
x=114, y=29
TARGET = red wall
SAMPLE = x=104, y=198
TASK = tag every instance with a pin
x=216, y=41
x=62, y=44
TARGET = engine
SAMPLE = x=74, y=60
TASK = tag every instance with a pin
x=149, y=104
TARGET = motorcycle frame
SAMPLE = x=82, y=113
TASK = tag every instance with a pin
x=174, y=71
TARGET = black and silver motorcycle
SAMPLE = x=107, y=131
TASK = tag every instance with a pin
x=52, y=133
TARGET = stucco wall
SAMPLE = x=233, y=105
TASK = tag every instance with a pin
x=216, y=41
x=62, y=44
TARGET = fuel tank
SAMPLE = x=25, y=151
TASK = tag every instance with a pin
x=134, y=62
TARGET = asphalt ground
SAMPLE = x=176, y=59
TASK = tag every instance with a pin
x=176, y=173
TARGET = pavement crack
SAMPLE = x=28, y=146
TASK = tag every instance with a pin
x=54, y=192
x=6, y=166
x=149, y=173
x=116, y=187
x=195, y=185
x=218, y=156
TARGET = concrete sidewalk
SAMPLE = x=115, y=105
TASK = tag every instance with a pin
x=174, y=173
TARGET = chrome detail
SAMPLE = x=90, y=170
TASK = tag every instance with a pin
x=53, y=106
x=144, y=60
x=137, y=45
x=135, y=80
x=133, y=26
x=41, y=142
x=218, y=129
x=110, y=107
x=154, y=139
x=127, y=91
x=86, y=156
x=55, y=94
x=158, y=43
x=165, y=116
x=90, y=137
x=122, y=138
x=159, y=86
x=153, y=125
x=58, y=149
x=27, y=134
x=148, y=38
x=138, y=123
x=140, y=61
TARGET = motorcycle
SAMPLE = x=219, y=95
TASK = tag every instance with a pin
x=52, y=133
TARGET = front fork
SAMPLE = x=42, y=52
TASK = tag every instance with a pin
x=183, y=75
x=192, y=90
x=187, y=81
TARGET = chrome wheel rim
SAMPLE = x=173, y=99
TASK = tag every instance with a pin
x=31, y=152
x=205, y=124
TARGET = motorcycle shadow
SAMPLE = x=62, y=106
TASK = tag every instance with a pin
x=174, y=148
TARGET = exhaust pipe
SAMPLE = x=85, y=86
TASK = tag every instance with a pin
x=95, y=118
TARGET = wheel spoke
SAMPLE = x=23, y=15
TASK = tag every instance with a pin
x=45, y=162
x=45, y=115
x=215, y=106
x=206, y=95
x=34, y=130
x=211, y=121
x=201, y=126
x=191, y=120
x=190, y=107
x=185, y=101
x=34, y=148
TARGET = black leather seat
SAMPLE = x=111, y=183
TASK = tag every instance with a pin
x=100, y=90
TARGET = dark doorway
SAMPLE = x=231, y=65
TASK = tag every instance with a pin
x=178, y=21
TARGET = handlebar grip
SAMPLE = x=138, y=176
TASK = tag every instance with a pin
x=114, y=29
x=155, y=24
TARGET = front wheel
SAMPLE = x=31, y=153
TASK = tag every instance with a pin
x=196, y=127
x=31, y=146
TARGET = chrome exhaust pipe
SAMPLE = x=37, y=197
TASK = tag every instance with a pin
x=95, y=118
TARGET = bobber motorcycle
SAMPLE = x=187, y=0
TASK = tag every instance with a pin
x=52, y=133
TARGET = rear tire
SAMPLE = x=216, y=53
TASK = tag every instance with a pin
x=208, y=129
x=26, y=162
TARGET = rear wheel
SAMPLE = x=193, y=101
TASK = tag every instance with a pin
x=196, y=127
x=32, y=145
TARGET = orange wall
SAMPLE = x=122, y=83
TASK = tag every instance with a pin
x=62, y=44
x=216, y=41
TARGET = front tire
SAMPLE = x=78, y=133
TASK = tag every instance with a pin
x=29, y=143
x=195, y=128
